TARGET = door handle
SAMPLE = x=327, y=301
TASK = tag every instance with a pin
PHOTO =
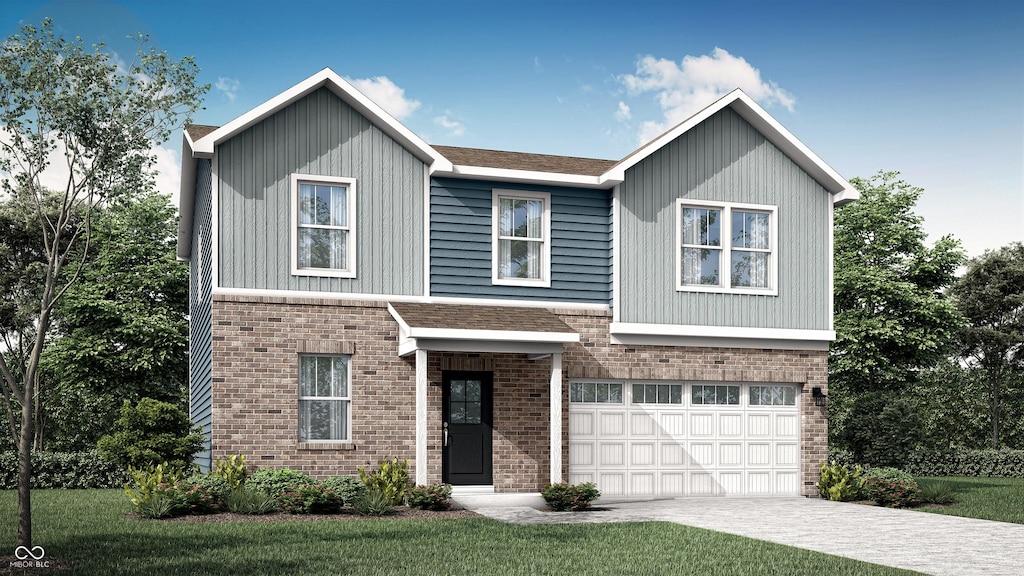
x=445, y=431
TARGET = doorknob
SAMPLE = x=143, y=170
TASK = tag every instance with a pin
x=445, y=430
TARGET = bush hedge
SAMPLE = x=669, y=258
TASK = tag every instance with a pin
x=63, y=470
x=990, y=463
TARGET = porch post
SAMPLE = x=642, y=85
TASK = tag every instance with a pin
x=421, y=417
x=556, y=418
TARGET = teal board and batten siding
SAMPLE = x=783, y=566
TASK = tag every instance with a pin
x=319, y=135
x=460, y=243
x=200, y=300
x=723, y=159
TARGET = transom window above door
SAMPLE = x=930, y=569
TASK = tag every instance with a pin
x=723, y=247
x=521, y=246
x=323, y=226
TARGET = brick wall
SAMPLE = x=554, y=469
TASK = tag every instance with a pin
x=257, y=340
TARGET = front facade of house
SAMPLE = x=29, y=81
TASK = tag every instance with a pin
x=658, y=325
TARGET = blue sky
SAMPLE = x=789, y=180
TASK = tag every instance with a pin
x=933, y=89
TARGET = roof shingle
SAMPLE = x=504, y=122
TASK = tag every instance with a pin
x=472, y=317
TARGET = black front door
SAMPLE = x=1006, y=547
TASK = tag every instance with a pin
x=466, y=427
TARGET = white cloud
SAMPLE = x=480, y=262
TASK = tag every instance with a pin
x=685, y=88
x=537, y=67
x=388, y=96
x=623, y=112
x=454, y=127
x=228, y=86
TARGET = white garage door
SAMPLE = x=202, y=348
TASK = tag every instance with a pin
x=679, y=439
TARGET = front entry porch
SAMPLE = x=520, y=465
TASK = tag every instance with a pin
x=457, y=350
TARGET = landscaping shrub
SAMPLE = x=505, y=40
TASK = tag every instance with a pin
x=151, y=433
x=964, y=462
x=434, y=497
x=347, y=487
x=276, y=482
x=937, y=493
x=391, y=478
x=372, y=502
x=840, y=455
x=63, y=470
x=147, y=483
x=564, y=496
x=248, y=501
x=312, y=498
x=198, y=498
x=888, y=473
x=217, y=487
x=232, y=469
x=892, y=493
x=838, y=483
x=158, y=506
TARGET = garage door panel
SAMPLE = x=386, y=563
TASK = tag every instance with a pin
x=703, y=484
x=730, y=454
x=786, y=425
x=787, y=482
x=641, y=484
x=581, y=477
x=641, y=454
x=581, y=424
x=611, y=424
x=759, y=425
x=730, y=482
x=672, y=483
x=673, y=454
x=642, y=424
x=612, y=484
x=703, y=453
x=581, y=454
x=673, y=423
x=611, y=454
x=730, y=425
x=702, y=424
x=759, y=454
x=759, y=482
x=787, y=454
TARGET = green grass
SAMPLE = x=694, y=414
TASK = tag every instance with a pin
x=87, y=528
x=999, y=499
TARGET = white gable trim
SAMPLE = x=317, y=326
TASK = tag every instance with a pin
x=841, y=190
x=344, y=90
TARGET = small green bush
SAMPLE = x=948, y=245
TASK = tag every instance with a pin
x=63, y=470
x=391, y=478
x=205, y=497
x=151, y=433
x=372, y=502
x=838, y=483
x=277, y=482
x=937, y=493
x=435, y=497
x=564, y=496
x=979, y=463
x=232, y=469
x=347, y=487
x=892, y=493
x=888, y=473
x=158, y=506
x=147, y=483
x=248, y=501
x=311, y=498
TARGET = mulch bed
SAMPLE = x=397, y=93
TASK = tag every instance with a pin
x=398, y=513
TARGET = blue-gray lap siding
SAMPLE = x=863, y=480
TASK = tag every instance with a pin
x=460, y=243
x=319, y=135
x=724, y=159
x=200, y=288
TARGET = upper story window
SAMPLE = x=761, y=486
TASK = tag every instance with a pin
x=521, y=244
x=724, y=247
x=323, y=226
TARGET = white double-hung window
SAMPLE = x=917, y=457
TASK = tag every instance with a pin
x=723, y=247
x=325, y=398
x=521, y=244
x=323, y=226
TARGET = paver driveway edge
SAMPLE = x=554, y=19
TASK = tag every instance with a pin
x=929, y=543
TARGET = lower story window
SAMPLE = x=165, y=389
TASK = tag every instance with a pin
x=325, y=398
x=772, y=396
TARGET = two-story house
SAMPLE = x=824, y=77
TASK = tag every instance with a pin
x=658, y=324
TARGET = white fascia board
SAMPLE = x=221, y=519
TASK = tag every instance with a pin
x=841, y=190
x=494, y=335
x=525, y=176
x=411, y=345
x=628, y=329
x=344, y=90
x=186, y=198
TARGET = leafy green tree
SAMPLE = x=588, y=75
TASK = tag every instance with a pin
x=151, y=433
x=120, y=332
x=101, y=120
x=892, y=318
x=991, y=296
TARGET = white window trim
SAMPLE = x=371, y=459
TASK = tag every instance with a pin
x=350, y=184
x=545, y=254
x=725, y=266
x=348, y=420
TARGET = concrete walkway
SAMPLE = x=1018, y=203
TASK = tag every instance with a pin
x=929, y=543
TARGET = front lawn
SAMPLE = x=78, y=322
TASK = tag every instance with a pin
x=88, y=529
x=999, y=499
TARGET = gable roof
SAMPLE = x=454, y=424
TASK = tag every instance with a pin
x=524, y=161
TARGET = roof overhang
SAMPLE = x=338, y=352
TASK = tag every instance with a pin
x=186, y=198
x=842, y=191
x=527, y=177
x=723, y=336
x=470, y=328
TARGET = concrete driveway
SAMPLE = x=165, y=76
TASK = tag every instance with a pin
x=929, y=543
